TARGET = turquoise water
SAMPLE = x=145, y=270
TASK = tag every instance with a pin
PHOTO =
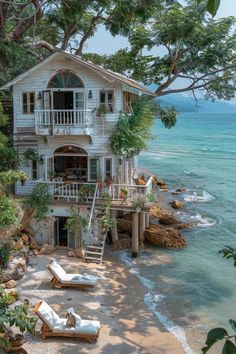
x=194, y=289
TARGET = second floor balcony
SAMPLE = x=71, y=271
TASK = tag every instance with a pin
x=63, y=122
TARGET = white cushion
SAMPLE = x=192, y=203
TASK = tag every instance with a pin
x=85, y=327
x=60, y=274
x=79, y=279
x=48, y=315
x=57, y=270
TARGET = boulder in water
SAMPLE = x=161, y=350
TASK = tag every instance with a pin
x=164, y=237
x=177, y=204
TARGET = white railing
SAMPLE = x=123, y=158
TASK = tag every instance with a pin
x=84, y=192
x=63, y=117
x=92, y=213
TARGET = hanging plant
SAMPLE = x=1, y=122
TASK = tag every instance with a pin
x=74, y=221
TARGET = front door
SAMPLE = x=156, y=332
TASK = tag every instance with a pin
x=62, y=232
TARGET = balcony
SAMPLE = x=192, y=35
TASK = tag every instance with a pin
x=83, y=192
x=63, y=122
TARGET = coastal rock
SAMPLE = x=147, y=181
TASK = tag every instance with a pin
x=46, y=249
x=164, y=237
x=176, y=204
x=80, y=252
x=35, y=252
x=124, y=225
x=29, y=230
x=123, y=244
x=34, y=244
x=180, y=190
x=25, y=238
x=10, y=284
x=15, y=262
x=17, y=245
x=71, y=254
x=15, y=274
x=155, y=180
x=169, y=220
x=157, y=212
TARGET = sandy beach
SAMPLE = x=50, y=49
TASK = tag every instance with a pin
x=116, y=301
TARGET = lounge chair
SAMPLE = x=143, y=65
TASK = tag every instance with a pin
x=62, y=279
x=55, y=326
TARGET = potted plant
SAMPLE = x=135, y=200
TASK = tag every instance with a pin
x=150, y=199
x=123, y=193
x=139, y=204
x=101, y=110
x=16, y=317
x=22, y=176
x=30, y=155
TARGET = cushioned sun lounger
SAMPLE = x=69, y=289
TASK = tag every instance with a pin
x=55, y=326
x=62, y=279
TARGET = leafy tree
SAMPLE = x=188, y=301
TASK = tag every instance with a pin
x=40, y=199
x=3, y=122
x=199, y=52
x=218, y=334
x=133, y=130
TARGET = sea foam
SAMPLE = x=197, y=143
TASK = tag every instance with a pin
x=155, y=301
x=205, y=197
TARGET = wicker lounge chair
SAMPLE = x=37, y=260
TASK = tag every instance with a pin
x=55, y=326
x=62, y=279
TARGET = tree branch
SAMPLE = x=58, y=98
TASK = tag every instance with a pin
x=24, y=24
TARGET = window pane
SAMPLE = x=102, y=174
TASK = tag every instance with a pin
x=25, y=108
x=34, y=170
x=110, y=96
x=108, y=167
x=32, y=97
x=25, y=98
x=93, y=169
x=102, y=96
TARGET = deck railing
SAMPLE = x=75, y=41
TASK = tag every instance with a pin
x=84, y=192
x=63, y=117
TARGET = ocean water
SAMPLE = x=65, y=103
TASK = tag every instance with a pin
x=192, y=290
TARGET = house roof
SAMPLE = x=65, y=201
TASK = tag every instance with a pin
x=106, y=74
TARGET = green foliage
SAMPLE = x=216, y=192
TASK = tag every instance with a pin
x=150, y=197
x=16, y=316
x=107, y=221
x=212, y=6
x=30, y=155
x=11, y=176
x=5, y=251
x=8, y=212
x=229, y=252
x=217, y=334
x=74, y=221
x=3, y=122
x=40, y=199
x=133, y=130
x=9, y=158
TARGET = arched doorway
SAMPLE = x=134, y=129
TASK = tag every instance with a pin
x=71, y=162
x=65, y=91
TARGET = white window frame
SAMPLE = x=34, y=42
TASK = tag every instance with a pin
x=106, y=90
x=27, y=93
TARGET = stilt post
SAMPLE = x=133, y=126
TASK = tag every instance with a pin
x=135, y=234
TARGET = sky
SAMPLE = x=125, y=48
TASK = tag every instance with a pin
x=104, y=43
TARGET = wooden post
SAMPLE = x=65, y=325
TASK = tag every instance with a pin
x=147, y=221
x=135, y=235
x=142, y=222
x=114, y=234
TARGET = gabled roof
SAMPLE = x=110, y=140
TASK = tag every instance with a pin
x=106, y=74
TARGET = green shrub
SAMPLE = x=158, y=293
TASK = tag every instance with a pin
x=4, y=255
x=8, y=212
x=40, y=199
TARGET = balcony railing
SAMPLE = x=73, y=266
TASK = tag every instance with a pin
x=54, y=122
x=84, y=192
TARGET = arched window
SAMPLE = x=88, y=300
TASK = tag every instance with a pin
x=65, y=79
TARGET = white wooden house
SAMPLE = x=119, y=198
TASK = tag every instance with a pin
x=65, y=109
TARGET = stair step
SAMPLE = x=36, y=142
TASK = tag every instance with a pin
x=94, y=247
x=93, y=259
x=92, y=252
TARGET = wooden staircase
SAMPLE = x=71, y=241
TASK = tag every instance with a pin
x=95, y=251
x=97, y=238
